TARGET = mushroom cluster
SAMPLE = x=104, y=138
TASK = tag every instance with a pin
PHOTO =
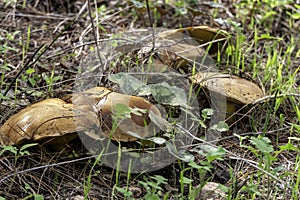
x=57, y=122
x=116, y=116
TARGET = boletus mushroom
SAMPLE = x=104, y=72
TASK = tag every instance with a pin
x=121, y=116
x=238, y=91
x=206, y=36
x=49, y=121
x=55, y=122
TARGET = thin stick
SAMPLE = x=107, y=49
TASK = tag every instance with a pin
x=94, y=34
x=152, y=26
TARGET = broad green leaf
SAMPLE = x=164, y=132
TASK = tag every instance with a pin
x=196, y=166
x=262, y=143
x=165, y=94
x=30, y=71
x=125, y=192
x=186, y=180
x=129, y=84
x=213, y=155
x=154, y=185
x=11, y=149
x=150, y=196
x=38, y=197
x=220, y=126
x=160, y=122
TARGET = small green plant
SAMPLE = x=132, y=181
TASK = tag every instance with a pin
x=88, y=183
x=153, y=187
x=50, y=80
x=33, y=196
x=126, y=193
x=16, y=151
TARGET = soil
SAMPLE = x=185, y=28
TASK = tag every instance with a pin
x=64, y=32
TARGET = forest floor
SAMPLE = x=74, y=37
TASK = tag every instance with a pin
x=257, y=158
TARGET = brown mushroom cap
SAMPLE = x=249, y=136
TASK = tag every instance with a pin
x=56, y=122
x=202, y=34
x=236, y=90
x=105, y=101
x=46, y=119
x=177, y=55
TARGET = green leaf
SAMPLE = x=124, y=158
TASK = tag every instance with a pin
x=138, y=111
x=217, y=154
x=5, y=67
x=121, y=111
x=220, y=126
x=154, y=186
x=186, y=180
x=144, y=184
x=150, y=196
x=121, y=108
x=11, y=149
x=38, y=197
x=56, y=78
x=289, y=146
x=32, y=82
x=262, y=144
x=26, y=146
x=206, y=113
x=159, y=179
x=30, y=71
x=125, y=192
x=196, y=166
x=165, y=94
x=129, y=84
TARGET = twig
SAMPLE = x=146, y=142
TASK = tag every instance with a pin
x=152, y=26
x=94, y=34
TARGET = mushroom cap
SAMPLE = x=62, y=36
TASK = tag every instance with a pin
x=178, y=55
x=104, y=101
x=56, y=122
x=204, y=35
x=236, y=89
x=44, y=120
